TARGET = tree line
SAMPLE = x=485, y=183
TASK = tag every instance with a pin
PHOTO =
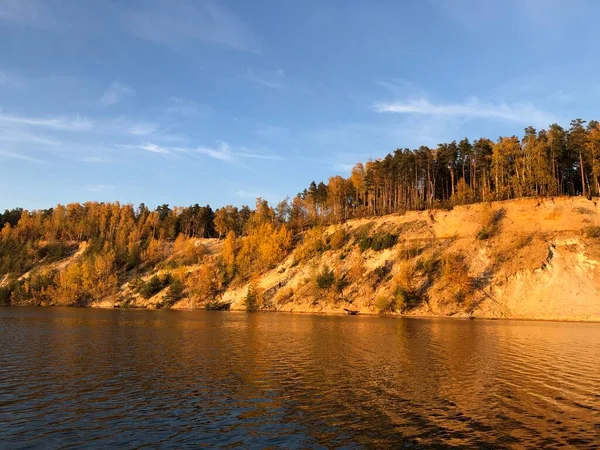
x=550, y=162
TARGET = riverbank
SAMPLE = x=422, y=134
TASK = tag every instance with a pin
x=528, y=259
x=524, y=259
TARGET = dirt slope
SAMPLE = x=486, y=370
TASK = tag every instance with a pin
x=539, y=264
x=526, y=259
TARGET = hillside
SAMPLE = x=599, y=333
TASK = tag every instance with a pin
x=523, y=259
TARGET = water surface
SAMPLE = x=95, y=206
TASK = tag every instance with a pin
x=84, y=377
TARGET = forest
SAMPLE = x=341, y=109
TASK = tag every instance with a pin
x=122, y=241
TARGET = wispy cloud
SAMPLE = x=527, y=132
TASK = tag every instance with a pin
x=222, y=152
x=177, y=23
x=143, y=128
x=14, y=155
x=99, y=187
x=471, y=108
x=115, y=93
x=57, y=122
x=153, y=148
x=187, y=108
x=25, y=136
x=272, y=80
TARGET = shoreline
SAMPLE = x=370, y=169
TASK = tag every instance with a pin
x=456, y=317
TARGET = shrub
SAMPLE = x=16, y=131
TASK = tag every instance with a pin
x=341, y=283
x=582, y=210
x=382, y=272
x=410, y=250
x=5, y=293
x=175, y=292
x=338, y=239
x=592, y=232
x=523, y=240
x=325, y=278
x=152, y=287
x=252, y=297
x=55, y=251
x=378, y=242
x=405, y=284
x=312, y=244
x=490, y=223
x=428, y=266
x=455, y=278
x=384, y=304
x=364, y=243
x=187, y=251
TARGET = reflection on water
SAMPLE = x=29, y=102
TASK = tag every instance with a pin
x=95, y=377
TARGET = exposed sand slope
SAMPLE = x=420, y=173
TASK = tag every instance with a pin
x=537, y=263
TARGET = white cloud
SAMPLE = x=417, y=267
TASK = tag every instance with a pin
x=99, y=187
x=222, y=152
x=14, y=155
x=181, y=22
x=143, y=129
x=153, y=148
x=272, y=80
x=345, y=168
x=187, y=108
x=115, y=93
x=24, y=136
x=57, y=123
x=471, y=108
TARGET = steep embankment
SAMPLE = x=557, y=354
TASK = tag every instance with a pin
x=525, y=259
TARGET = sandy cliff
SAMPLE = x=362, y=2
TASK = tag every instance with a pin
x=525, y=259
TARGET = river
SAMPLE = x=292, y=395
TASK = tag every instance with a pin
x=100, y=378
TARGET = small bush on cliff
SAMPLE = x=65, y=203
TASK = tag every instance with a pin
x=175, y=292
x=490, y=223
x=591, y=232
x=326, y=278
x=337, y=239
x=5, y=293
x=455, y=279
x=384, y=304
x=406, y=285
x=55, y=251
x=313, y=244
x=252, y=299
x=152, y=287
x=378, y=242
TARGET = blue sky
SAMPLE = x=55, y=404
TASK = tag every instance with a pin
x=219, y=102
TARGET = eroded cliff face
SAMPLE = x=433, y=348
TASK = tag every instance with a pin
x=566, y=287
x=524, y=259
x=540, y=261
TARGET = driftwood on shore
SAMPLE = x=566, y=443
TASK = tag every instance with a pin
x=351, y=312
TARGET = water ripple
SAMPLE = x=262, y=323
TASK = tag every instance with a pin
x=86, y=378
